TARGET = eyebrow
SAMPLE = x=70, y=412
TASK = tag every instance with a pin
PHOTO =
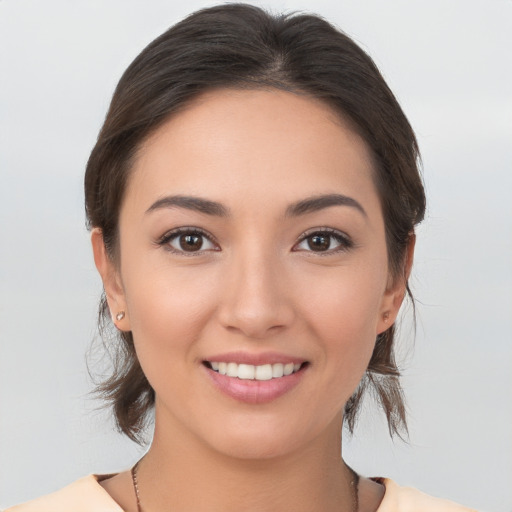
x=190, y=203
x=302, y=207
x=316, y=203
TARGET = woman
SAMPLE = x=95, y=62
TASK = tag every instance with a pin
x=252, y=198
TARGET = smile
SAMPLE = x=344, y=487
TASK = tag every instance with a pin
x=252, y=372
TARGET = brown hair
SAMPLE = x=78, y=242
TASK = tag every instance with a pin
x=242, y=46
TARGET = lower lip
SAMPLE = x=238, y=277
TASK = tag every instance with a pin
x=255, y=391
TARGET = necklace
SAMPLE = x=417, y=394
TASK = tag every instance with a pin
x=354, y=486
x=136, y=485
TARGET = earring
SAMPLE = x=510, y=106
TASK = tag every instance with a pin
x=120, y=316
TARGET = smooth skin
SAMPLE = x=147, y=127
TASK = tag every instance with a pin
x=252, y=274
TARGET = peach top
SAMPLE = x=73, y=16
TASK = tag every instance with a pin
x=87, y=495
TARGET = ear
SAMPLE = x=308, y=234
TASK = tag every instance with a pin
x=111, y=281
x=395, y=291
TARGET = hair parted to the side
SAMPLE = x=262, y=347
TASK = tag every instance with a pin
x=243, y=46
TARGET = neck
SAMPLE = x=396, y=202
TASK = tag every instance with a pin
x=180, y=474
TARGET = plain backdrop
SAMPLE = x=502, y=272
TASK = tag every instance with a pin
x=449, y=65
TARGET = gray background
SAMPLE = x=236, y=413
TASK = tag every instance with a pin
x=448, y=63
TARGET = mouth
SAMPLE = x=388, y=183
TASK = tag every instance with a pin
x=263, y=372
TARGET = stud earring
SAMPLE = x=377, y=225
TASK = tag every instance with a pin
x=120, y=316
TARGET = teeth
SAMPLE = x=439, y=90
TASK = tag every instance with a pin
x=251, y=372
x=263, y=372
x=246, y=371
x=288, y=368
x=232, y=370
x=277, y=370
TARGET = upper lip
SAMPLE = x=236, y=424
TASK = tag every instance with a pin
x=254, y=359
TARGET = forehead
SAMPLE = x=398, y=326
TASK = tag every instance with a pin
x=275, y=144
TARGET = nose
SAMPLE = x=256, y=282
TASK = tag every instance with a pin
x=256, y=300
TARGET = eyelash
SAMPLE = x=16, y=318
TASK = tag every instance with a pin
x=175, y=233
x=345, y=243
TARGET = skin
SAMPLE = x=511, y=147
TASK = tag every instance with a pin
x=256, y=285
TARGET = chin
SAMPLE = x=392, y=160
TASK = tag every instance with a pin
x=260, y=439
x=252, y=450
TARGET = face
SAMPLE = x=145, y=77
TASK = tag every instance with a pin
x=253, y=270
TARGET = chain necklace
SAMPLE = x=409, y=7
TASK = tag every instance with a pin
x=135, y=485
x=354, y=485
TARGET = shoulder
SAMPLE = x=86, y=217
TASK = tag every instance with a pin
x=87, y=495
x=84, y=495
x=407, y=499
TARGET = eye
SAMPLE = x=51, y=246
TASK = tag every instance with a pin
x=188, y=240
x=324, y=241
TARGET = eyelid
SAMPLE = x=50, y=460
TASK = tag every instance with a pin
x=173, y=233
x=345, y=240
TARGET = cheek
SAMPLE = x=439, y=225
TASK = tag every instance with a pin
x=168, y=314
x=168, y=307
x=343, y=312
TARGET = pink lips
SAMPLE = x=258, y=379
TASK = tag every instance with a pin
x=255, y=391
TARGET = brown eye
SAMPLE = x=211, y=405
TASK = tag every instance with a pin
x=319, y=242
x=190, y=242
x=324, y=241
